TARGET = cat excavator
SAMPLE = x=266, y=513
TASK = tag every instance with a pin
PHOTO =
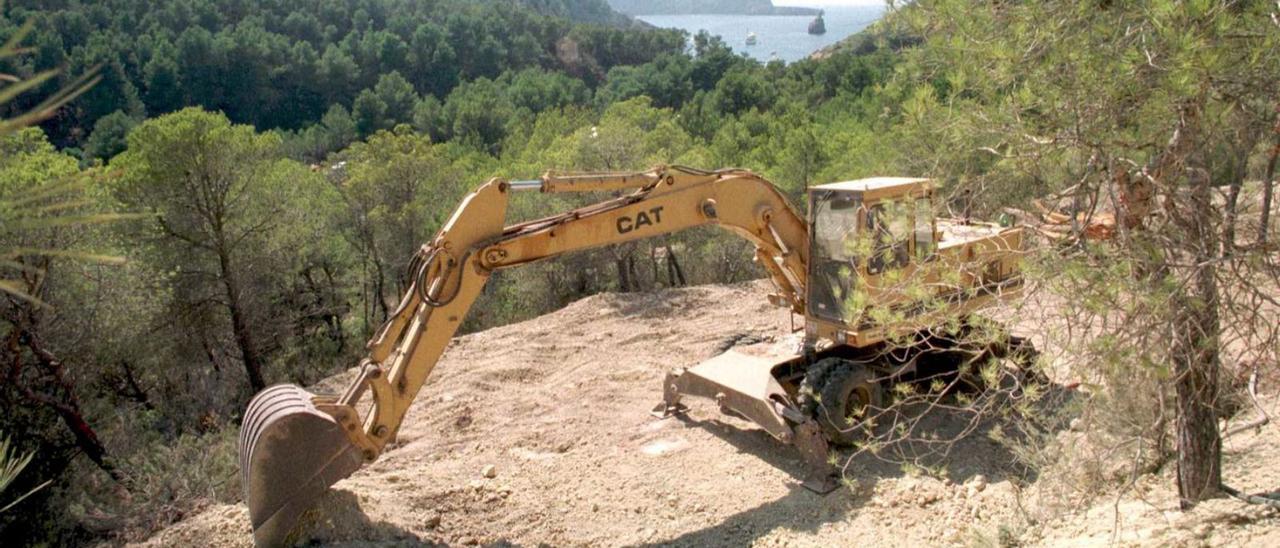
x=870, y=269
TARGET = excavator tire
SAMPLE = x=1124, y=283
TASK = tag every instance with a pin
x=808, y=394
x=849, y=396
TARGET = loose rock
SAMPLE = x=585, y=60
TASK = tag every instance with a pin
x=976, y=484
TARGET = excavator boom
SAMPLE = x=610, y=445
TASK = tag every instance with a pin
x=295, y=444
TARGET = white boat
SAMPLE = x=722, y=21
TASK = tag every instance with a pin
x=751, y=38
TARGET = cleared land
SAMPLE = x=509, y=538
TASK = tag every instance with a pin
x=559, y=407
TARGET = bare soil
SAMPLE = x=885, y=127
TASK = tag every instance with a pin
x=559, y=406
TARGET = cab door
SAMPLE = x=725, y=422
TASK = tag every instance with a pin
x=834, y=229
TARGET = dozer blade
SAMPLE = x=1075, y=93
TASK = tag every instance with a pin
x=290, y=453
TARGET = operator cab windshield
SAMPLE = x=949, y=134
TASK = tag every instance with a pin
x=834, y=258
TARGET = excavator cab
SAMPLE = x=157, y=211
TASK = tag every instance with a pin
x=870, y=240
x=863, y=231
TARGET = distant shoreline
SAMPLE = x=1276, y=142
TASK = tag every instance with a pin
x=813, y=13
x=636, y=8
x=781, y=38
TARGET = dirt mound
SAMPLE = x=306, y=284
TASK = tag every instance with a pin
x=558, y=406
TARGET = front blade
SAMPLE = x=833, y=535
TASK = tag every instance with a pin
x=290, y=453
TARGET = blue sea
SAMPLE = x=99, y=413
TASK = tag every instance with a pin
x=782, y=37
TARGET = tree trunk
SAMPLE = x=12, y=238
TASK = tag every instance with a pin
x=135, y=390
x=240, y=326
x=1268, y=183
x=1268, y=187
x=675, y=274
x=624, y=283
x=1195, y=356
x=582, y=283
x=335, y=319
x=67, y=407
x=653, y=262
x=1192, y=239
x=86, y=438
x=1231, y=214
x=637, y=282
x=621, y=254
x=379, y=287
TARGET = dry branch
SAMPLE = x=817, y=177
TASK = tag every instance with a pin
x=1263, y=418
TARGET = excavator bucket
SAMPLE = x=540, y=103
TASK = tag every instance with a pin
x=290, y=453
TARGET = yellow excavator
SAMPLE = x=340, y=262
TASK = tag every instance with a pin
x=870, y=269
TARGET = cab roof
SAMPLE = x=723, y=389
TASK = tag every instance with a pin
x=874, y=188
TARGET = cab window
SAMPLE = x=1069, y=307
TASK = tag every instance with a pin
x=835, y=226
x=833, y=265
x=890, y=226
x=924, y=229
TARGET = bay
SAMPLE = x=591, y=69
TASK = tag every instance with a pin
x=781, y=37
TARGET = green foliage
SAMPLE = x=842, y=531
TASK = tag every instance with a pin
x=477, y=113
x=28, y=162
x=1111, y=102
x=109, y=134
x=233, y=229
x=428, y=118
x=29, y=199
x=284, y=64
x=43, y=204
x=12, y=464
x=336, y=130
x=18, y=108
x=398, y=188
x=534, y=91
x=390, y=102
x=159, y=175
x=668, y=80
x=632, y=135
x=741, y=90
x=170, y=477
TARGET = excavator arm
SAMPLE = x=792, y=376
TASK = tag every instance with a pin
x=295, y=444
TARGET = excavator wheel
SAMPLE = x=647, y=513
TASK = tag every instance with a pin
x=807, y=395
x=849, y=398
x=290, y=453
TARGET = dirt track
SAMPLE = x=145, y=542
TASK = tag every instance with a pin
x=559, y=406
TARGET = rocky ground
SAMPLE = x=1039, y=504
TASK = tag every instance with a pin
x=539, y=433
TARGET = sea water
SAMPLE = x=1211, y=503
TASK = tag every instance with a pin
x=783, y=37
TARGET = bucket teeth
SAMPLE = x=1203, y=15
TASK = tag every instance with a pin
x=290, y=453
